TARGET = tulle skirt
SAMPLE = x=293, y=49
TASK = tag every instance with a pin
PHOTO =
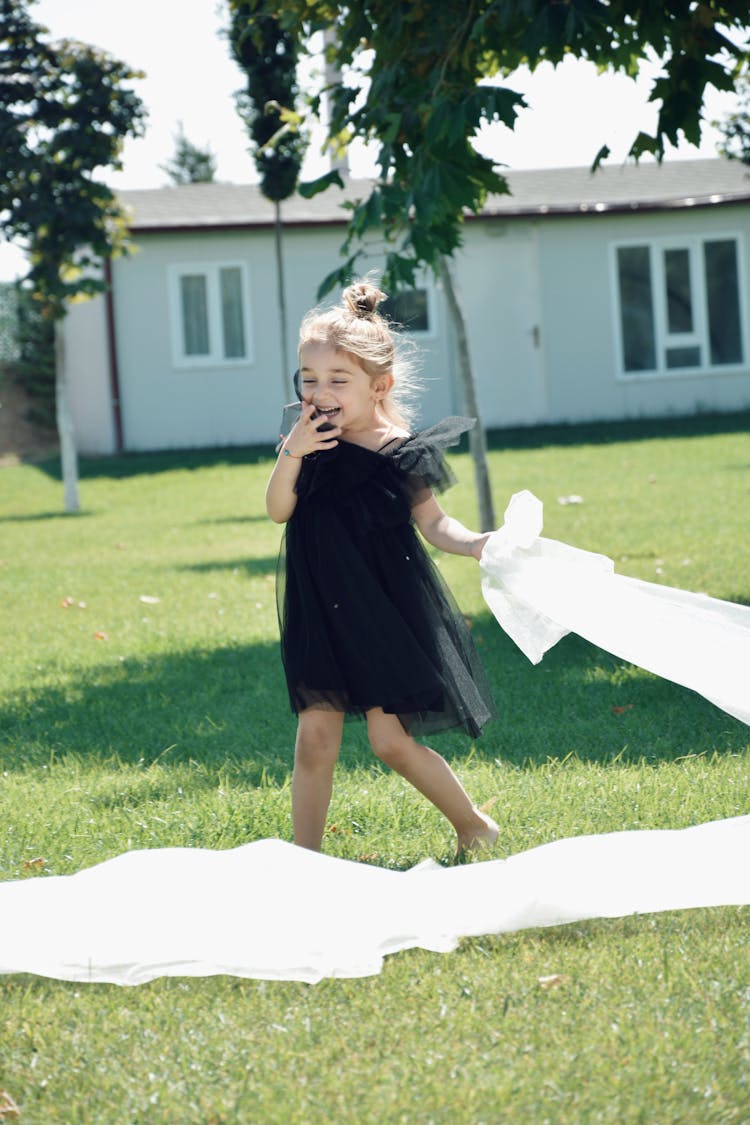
x=366, y=619
x=377, y=626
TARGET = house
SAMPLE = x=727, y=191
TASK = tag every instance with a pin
x=618, y=294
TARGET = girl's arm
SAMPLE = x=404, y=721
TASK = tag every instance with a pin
x=444, y=532
x=304, y=438
x=281, y=498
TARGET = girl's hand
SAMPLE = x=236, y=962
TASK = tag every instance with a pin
x=478, y=545
x=306, y=437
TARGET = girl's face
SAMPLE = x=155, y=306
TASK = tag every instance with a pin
x=339, y=388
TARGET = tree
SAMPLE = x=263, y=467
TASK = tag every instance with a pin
x=64, y=110
x=423, y=77
x=428, y=67
x=267, y=54
x=190, y=164
x=735, y=127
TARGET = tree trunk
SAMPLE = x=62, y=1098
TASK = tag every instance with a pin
x=68, y=453
x=286, y=376
x=477, y=439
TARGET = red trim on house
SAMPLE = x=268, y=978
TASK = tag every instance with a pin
x=114, y=369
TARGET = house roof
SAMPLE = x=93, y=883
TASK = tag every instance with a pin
x=549, y=191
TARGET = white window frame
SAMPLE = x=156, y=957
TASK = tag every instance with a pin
x=698, y=338
x=664, y=339
x=215, y=357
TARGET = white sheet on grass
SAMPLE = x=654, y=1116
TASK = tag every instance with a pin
x=539, y=589
x=272, y=910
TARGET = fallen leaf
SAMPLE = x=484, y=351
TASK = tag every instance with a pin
x=121, y=546
x=66, y=603
x=100, y=635
x=35, y=864
x=621, y=710
x=551, y=981
x=8, y=1108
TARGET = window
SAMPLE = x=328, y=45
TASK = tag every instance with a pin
x=678, y=306
x=412, y=309
x=209, y=306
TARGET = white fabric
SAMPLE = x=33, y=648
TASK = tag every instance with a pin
x=271, y=910
x=539, y=589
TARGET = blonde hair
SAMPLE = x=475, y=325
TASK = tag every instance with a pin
x=356, y=327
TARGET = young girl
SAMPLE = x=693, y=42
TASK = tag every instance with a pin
x=368, y=627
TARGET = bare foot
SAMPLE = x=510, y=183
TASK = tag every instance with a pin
x=482, y=837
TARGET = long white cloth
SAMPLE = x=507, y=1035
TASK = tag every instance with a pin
x=539, y=589
x=272, y=910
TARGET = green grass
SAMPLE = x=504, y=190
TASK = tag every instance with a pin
x=126, y=724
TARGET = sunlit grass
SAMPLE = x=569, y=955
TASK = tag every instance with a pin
x=129, y=723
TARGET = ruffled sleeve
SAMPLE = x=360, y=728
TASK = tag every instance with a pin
x=421, y=457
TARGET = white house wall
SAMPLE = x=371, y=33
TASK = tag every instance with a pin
x=167, y=406
x=87, y=369
x=541, y=319
x=578, y=282
x=497, y=276
x=547, y=353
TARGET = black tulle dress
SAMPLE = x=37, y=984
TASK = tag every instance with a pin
x=366, y=619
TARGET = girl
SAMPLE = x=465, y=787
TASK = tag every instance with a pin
x=368, y=626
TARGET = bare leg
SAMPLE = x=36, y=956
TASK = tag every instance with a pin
x=315, y=753
x=433, y=777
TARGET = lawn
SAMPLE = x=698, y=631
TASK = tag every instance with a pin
x=142, y=705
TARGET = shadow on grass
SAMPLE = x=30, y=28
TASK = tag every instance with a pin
x=230, y=520
x=41, y=517
x=601, y=433
x=738, y=599
x=257, y=567
x=123, y=465
x=229, y=705
x=526, y=437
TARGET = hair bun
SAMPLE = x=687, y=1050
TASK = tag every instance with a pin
x=362, y=299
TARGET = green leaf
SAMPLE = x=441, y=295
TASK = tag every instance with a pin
x=493, y=103
x=390, y=132
x=342, y=275
x=603, y=153
x=314, y=187
x=643, y=143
